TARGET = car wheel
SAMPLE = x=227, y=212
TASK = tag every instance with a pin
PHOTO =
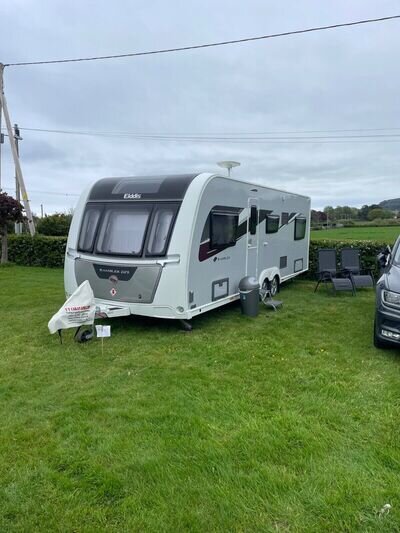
x=378, y=343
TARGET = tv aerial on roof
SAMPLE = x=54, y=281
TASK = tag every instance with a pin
x=229, y=165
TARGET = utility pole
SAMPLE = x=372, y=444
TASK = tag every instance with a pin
x=1, y=134
x=17, y=138
x=14, y=150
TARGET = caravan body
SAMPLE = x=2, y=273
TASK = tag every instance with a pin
x=177, y=246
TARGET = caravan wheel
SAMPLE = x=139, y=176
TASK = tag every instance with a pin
x=273, y=286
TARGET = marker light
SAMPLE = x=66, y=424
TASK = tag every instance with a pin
x=390, y=334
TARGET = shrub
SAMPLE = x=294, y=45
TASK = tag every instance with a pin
x=37, y=251
x=10, y=211
x=56, y=225
x=50, y=251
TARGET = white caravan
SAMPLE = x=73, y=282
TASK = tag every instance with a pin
x=177, y=246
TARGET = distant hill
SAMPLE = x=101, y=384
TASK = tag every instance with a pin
x=393, y=205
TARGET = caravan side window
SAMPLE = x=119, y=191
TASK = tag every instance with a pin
x=272, y=224
x=284, y=218
x=300, y=228
x=223, y=228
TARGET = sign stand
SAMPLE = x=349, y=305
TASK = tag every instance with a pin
x=102, y=332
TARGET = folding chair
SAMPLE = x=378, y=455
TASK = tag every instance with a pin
x=327, y=272
x=350, y=263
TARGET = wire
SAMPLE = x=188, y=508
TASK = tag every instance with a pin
x=206, y=135
x=320, y=139
x=50, y=193
x=206, y=45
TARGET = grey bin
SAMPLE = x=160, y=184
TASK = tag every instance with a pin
x=249, y=290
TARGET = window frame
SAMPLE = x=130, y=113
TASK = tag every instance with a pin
x=219, y=212
x=297, y=219
x=275, y=218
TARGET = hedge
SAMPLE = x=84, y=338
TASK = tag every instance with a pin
x=368, y=252
x=37, y=251
x=49, y=251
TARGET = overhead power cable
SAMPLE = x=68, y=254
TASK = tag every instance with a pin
x=204, y=45
x=203, y=135
x=50, y=193
x=276, y=139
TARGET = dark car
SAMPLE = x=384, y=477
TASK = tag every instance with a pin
x=387, y=316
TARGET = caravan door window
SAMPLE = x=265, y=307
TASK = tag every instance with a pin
x=253, y=220
x=160, y=230
x=123, y=229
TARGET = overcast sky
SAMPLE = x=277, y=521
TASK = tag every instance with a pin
x=338, y=79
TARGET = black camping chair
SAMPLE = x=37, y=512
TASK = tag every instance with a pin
x=327, y=272
x=350, y=263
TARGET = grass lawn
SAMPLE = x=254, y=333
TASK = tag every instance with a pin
x=375, y=233
x=286, y=422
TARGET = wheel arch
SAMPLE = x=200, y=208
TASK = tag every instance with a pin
x=269, y=274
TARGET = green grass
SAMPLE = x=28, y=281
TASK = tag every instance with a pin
x=374, y=233
x=286, y=422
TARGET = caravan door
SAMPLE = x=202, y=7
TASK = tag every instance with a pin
x=252, y=237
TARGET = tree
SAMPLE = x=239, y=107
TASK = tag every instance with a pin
x=10, y=211
x=329, y=212
x=56, y=225
x=317, y=217
x=378, y=212
x=363, y=212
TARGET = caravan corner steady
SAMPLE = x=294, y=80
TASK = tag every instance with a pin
x=177, y=246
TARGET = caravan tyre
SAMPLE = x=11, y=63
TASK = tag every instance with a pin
x=273, y=286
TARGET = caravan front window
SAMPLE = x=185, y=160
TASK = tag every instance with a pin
x=160, y=230
x=123, y=229
x=89, y=226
